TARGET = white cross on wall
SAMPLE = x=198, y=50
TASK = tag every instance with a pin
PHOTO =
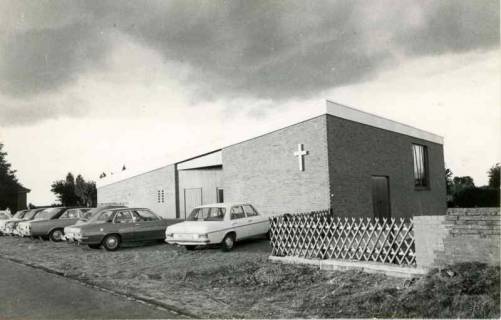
x=300, y=153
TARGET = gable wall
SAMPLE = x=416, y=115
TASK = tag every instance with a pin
x=264, y=171
x=358, y=151
x=141, y=191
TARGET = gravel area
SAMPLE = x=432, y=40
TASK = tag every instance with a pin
x=205, y=282
x=210, y=283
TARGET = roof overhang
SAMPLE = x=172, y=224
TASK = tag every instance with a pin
x=348, y=113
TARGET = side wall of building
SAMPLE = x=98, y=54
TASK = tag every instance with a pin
x=143, y=191
x=265, y=172
x=358, y=151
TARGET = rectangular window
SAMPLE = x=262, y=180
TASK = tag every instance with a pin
x=220, y=195
x=160, y=196
x=420, y=156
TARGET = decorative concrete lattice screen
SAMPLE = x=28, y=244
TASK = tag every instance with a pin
x=319, y=235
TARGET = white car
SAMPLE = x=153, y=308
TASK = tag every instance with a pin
x=221, y=223
x=16, y=217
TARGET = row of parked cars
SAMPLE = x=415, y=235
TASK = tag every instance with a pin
x=111, y=226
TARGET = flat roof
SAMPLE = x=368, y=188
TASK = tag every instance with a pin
x=331, y=108
x=349, y=113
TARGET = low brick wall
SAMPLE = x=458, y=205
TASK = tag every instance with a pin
x=463, y=235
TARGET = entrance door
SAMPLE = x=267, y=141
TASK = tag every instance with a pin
x=192, y=199
x=381, y=197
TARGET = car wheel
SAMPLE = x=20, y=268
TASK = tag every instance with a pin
x=228, y=242
x=55, y=235
x=190, y=248
x=111, y=242
x=94, y=246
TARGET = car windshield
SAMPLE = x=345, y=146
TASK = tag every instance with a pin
x=19, y=214
x=30, y=214
x=90, y=213
x=102, y=216
x=207, y=214
x=47, y=214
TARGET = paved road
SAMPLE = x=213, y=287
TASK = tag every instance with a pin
x=30, y=293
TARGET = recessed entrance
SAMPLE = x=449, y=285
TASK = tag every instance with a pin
x=192, y=199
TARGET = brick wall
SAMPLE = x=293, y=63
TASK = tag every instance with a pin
x=141, y=191
x=265, y=172
x=464, y=234
x=358, y=151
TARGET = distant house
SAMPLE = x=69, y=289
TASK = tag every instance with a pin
x=358, y=164
x=13, y=198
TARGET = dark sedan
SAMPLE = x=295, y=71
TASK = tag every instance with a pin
x=67, y=231
x=111, y=228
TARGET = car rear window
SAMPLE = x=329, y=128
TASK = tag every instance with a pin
x=249, y=210
x=207, y=214
x=237, y=213
x=47, y=213
x=146, y=215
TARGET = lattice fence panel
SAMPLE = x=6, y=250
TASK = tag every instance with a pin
x=319, y=235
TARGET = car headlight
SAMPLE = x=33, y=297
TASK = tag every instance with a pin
x=169, y=235
x=201, y=236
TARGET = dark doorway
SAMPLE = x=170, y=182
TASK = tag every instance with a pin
x=381, y=197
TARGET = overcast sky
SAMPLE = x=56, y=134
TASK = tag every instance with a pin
x=87, y=86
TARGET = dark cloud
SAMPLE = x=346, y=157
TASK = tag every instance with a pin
x=453, y=26
x=37, y=61
x=20, y=113
x=263, y=49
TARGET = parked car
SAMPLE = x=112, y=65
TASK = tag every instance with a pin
x=49, y=223
x=17, y=216
x=5, y=214
x=110, y=228
x=11, y=224
x=221, y=223
x=69, y=230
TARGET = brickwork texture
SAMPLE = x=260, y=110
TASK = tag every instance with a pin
x=142, y=191
x=342, y=158
x=463, y=235
x=358, y=151
x=265, y=172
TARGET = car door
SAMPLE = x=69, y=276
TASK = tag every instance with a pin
x=69, y=217
x=149, y=226
x=255, y=225
x=237, y=221
x=124, y=225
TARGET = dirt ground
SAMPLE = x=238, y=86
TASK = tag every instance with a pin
x=239, y=284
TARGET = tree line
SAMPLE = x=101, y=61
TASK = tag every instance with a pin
x=462, y=191
x=9, y=185
x=75, y=192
